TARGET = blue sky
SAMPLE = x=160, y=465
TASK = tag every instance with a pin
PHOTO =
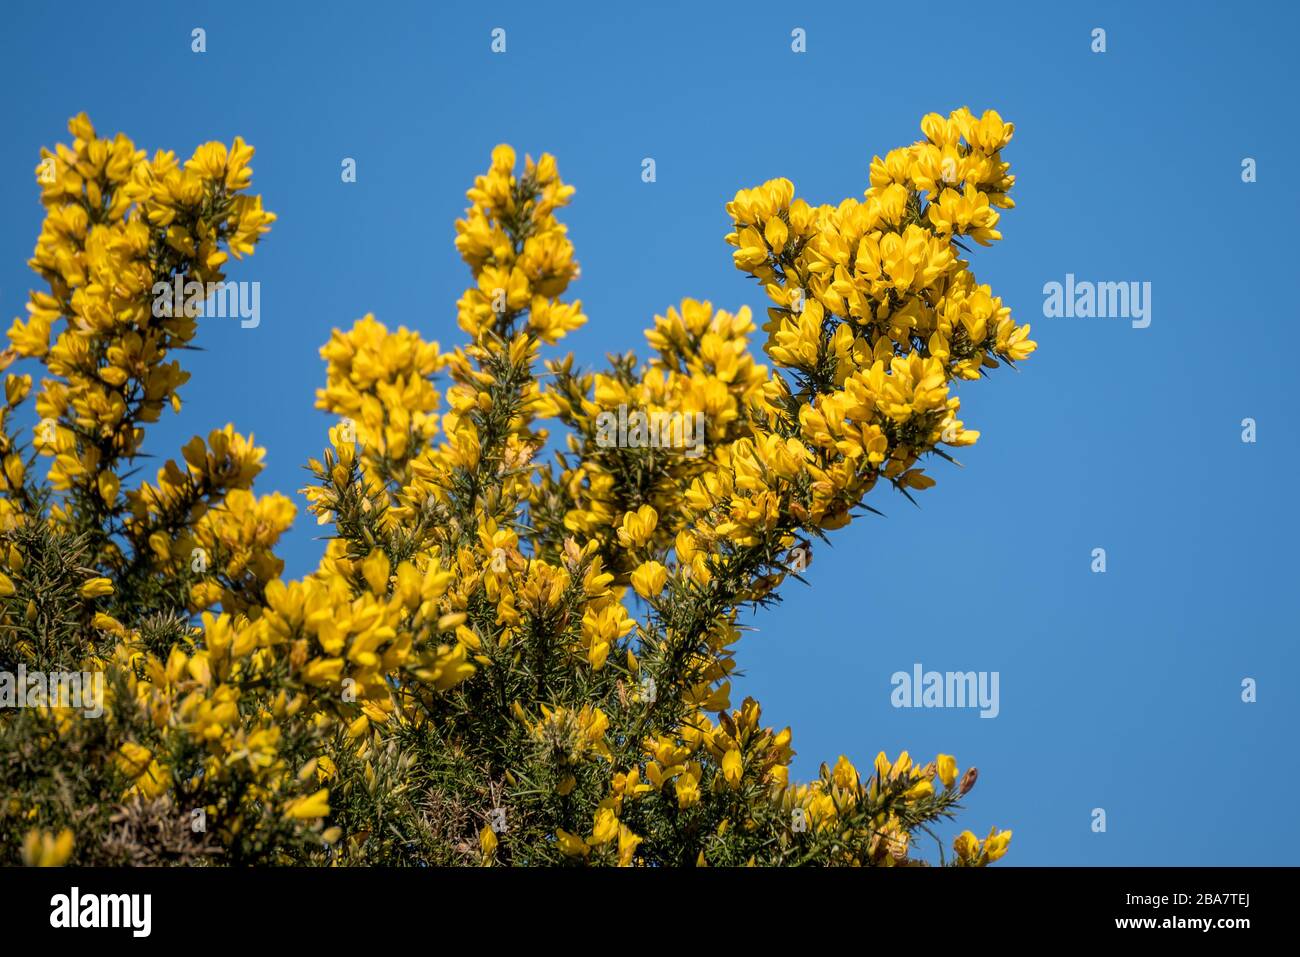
x=1120, y=690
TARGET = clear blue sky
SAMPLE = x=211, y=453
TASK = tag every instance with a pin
x=1120, y=691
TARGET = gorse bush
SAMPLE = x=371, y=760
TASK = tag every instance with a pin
x=517, y=646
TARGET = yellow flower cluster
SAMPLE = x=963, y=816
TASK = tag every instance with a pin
x=499, y=659
x=379, y=383
x=116, y=225
x=876, y=312
x=518, y=270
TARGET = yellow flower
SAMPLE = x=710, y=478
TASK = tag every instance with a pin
x=845, y=775
x=995, y=845
x=649, y=579
x=966, y=845
x=571, y=845
x=487, y=843
x=947, y=769
x=922, y=788
x=638, y=526
x=605, y=828
x=627, y=845
x=732, y=768
x=687, y=786
x=43, y=849
x=107, y=623
x=149, y=777
x=309, y=806
x=96, y=588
